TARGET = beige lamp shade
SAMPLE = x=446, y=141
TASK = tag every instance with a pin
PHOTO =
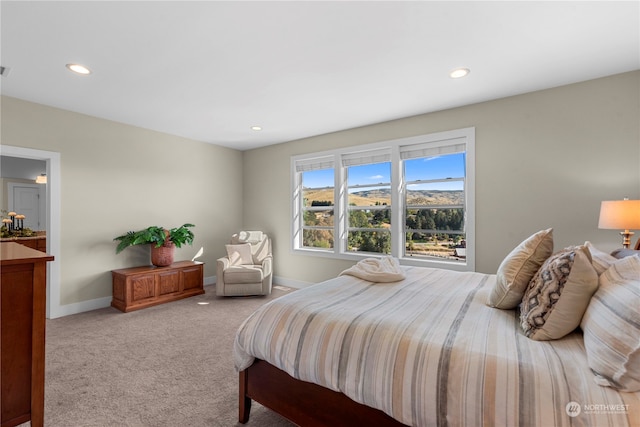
x=620, y=215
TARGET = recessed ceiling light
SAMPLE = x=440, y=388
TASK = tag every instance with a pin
x=459, y=72
x=79, y=69
x=256, y=128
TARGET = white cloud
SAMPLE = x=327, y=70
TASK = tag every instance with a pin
x=376, y=177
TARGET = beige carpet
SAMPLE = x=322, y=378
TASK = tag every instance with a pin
x=169, y=365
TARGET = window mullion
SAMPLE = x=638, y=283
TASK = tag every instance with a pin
x=340, y=197
x=397, y=203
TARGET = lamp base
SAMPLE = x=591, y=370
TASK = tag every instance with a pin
x=626, y=238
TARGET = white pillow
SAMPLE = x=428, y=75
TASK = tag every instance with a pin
x=517, y=269
x=240, y=254
x=249, y=236
x=611, y=327
x=601, y=260
x=559, y=294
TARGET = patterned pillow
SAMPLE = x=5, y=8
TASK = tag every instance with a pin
x=558, y=294
x=517, y=269
x=611, y=327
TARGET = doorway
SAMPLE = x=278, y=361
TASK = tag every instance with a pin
x=28, y=200
x=52, y=218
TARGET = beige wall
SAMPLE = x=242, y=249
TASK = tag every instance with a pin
x=117, y=178
x=543, y=159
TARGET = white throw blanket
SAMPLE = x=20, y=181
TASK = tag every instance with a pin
x=385, y=269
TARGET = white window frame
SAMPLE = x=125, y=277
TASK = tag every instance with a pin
x=393, y=148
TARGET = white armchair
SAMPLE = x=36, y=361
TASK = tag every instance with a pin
x=247, y=268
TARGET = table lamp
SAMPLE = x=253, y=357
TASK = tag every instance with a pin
x=620, y=215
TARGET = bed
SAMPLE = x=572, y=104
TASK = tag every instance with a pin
x=422, y=351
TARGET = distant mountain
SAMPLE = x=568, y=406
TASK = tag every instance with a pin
x=371, y=197
x=436, y=197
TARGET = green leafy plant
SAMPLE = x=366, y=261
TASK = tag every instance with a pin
x=156, y=235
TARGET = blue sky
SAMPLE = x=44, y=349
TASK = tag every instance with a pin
x=448, y=166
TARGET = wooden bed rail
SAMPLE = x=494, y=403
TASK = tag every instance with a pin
x=303, y=403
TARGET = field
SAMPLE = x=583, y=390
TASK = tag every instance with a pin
x=379, y=197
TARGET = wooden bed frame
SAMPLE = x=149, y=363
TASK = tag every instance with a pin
x=303, y=403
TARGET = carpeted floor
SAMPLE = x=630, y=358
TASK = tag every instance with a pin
x=169, y=365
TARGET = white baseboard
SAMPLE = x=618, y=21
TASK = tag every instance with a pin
x=277, y=280
x=80, y=307
x=95, y=304
x=298, y=284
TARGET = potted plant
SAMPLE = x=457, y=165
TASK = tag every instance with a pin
x=163, y=241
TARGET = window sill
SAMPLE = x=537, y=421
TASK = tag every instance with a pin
x=406, y=261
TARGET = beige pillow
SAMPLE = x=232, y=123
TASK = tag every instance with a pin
x=517, y=269
x=240, y=254
x=601, y=260
x=611, y=327
x=558, y=294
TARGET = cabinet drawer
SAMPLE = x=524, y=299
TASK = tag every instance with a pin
x=192, y=278
x=168, y=282
x=142, y=288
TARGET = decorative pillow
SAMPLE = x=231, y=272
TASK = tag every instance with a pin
x=611, y=327
x=622, y=252
x=240, y=254
x=601, y=260
x=248, y=237
x=558, y=294
x=517, y=269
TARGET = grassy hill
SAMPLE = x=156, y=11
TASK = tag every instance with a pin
x=371, y=197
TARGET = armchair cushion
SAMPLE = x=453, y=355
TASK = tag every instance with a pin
x=239, y=254
x=243, y=274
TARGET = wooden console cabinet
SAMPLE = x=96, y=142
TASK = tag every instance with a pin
x=23, y=283
x=141, y=287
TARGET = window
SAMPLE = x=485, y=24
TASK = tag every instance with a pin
x=411, y=198
x=368, y=181
x=434, y=202
x=316, y=183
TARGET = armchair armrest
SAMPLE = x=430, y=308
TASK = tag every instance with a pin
x=267, y=266
x=223, y=263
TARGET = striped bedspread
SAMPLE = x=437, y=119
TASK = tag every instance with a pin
x=429, y=352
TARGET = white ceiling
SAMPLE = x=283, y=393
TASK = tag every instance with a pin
x=209, y=70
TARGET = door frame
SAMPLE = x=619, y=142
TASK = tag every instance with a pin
x=53, y=217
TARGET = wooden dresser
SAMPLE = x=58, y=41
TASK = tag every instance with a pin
x=139, y=287
x=38, y=242
x=23, y=293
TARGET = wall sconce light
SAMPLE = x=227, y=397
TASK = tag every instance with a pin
x=620, y=215
x=41, y=179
